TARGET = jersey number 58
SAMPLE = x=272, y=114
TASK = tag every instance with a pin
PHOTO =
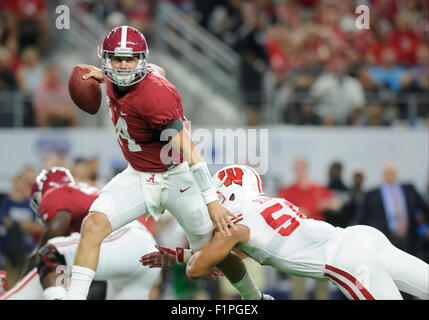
x=287, y=223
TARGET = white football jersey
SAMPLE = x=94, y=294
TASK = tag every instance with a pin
x=284, y=238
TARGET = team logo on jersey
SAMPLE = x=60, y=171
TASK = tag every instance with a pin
x=151, y=178
x=233, y=175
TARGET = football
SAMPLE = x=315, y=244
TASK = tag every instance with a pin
x=86, y=94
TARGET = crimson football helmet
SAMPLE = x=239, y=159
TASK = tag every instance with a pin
x=46, y=180
x=237, y=183
x=124, y=41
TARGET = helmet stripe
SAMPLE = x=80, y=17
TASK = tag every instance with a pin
x=257, y=178
x=124, y=37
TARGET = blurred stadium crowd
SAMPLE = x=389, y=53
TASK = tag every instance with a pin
x=303, y=58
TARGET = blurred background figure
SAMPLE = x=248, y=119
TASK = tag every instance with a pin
x=30, y=74
x=21, y=231
x=30, y=20
x=313, y=200
x=81, y=171
x=52, y=102
x=249, y=44
x=396, y=209
x=338, y=218
x=350, y=209
x=336, y=93
x=8, y=79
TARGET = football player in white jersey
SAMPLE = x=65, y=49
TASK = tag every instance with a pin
x=359, y=259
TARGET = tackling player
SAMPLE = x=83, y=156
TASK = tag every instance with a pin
x=166, y=170
x=359, y=259
x=62, y=205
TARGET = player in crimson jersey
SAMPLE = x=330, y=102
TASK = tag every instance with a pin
x=62, y=205
x=166, y=170
x=359, y=260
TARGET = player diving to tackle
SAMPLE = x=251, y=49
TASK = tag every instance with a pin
x=359, y=259
x=62, y=204
x=166, y=170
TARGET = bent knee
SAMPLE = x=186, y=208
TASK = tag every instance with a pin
x=96, y=225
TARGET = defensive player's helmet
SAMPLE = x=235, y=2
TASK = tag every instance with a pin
x=124, y=41
x=46, y=180
x=237, y=183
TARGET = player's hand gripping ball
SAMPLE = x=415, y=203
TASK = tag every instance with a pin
x=85, y=93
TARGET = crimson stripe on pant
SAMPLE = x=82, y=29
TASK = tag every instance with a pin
x=352, y=279
x=21, y=284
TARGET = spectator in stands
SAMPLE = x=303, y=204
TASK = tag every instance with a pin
x=8, y=81
x=416, y=81
x=220, y=17
x=139, y=14
x=336, y=93
x=29, y=174
x=80, y=170
x=404, y=40
x=85, y=170
x=350, y=208
x=52, y=102
x=389, y=73
x=392, y=208
x=313, y=199
x=31, y=23
x=250, y=46
x=30, y=74
x=341, y=191
x=22, y=229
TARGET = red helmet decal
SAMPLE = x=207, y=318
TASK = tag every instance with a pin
x=233, y=175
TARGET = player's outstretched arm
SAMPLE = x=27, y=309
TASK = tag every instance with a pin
x=218, y=213
x=214, y=252
x=57, y=226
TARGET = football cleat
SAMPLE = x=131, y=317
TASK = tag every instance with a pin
x=267, y=297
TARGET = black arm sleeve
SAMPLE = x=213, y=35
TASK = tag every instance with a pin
x=171, y=129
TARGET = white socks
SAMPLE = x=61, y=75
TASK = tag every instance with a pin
x=248, y=288
x=80, y=282
x=55, y=293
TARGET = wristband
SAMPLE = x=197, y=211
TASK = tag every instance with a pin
x=205, y=183
x=183, y=255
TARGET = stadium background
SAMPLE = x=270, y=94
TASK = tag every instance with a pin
x=325, y=90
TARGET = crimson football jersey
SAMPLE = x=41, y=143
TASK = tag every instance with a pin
x=74, y=198
x=138, y=117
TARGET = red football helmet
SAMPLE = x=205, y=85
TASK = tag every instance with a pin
x=124, y=41
x=46, y=180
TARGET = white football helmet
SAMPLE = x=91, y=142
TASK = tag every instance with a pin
x=237, y=183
